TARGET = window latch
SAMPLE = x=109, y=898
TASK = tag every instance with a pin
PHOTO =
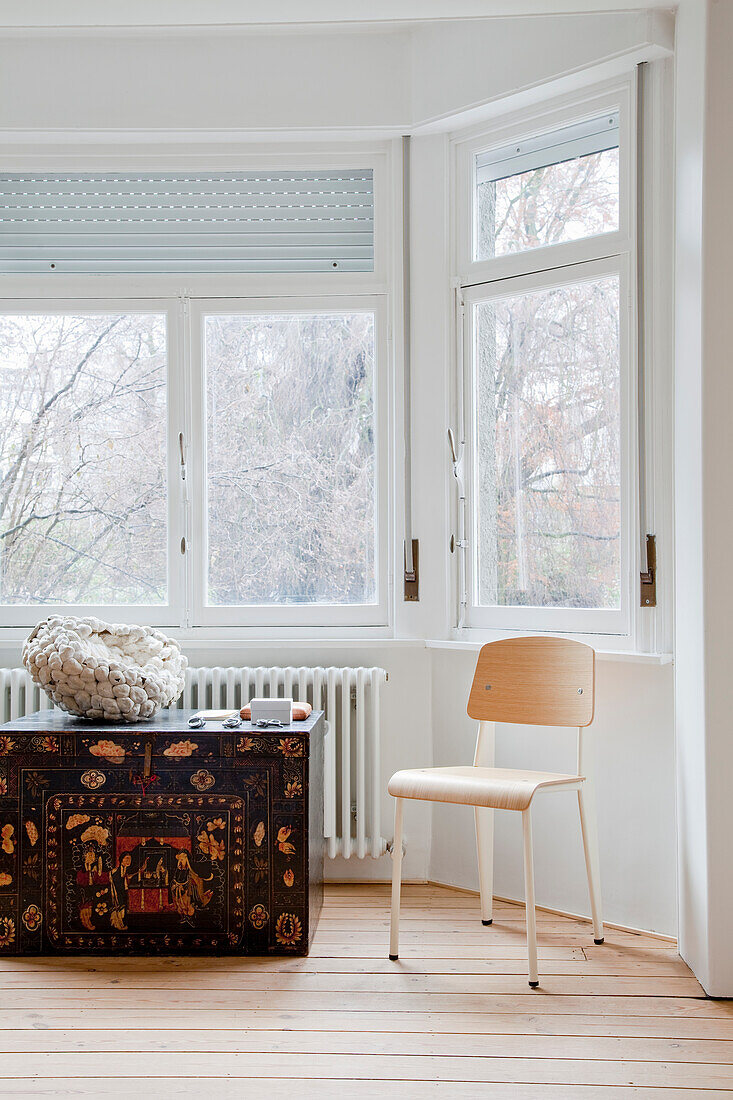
x=648, y=577
x=183, y=456
x=457, y=453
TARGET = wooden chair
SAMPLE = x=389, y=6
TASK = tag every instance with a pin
x=528, y=681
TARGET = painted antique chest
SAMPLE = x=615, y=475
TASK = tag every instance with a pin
x=158, y=838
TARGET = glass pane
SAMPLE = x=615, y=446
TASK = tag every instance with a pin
x=290, y=458
x=562, y=202
x=83, y=513
x=548, y=447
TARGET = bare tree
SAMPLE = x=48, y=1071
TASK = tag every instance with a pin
x=291, y=458
x=549, y=400
x=82, y=459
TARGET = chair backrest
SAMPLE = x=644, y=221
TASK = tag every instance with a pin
x=534, y=681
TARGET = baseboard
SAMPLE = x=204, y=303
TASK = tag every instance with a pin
x=561, y=913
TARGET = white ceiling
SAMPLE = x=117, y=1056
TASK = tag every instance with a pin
x=88, y=14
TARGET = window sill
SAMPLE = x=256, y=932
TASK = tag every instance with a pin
x=202, y=639
x=629, y=655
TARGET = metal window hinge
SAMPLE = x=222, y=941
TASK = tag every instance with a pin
x=648, y=578
x=412, y=577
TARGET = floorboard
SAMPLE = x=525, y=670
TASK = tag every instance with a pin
x=453, y=1017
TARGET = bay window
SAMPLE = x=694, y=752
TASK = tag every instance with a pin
x=545, y=272
x=193, y=407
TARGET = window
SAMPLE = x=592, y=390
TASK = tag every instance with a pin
x=560, y=187
x=546, y=320
x=547, y=432
x=289, y=453
x=205, y=443
x=83, y=459
x=290, y=459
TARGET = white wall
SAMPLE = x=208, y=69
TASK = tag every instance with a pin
x=424, y=722
x=464, y=64
x=241, y=81
x=704, y=461
x=689, y=549
x=227, y=81
x=244, y=84
x=431, y=384
x=633, y=742
x=718, y=462
x=634, y=727
x=232, y=13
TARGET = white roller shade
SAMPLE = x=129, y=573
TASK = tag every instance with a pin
x=170, y=222
x=579, y=140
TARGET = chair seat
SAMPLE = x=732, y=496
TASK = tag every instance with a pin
x=494, y=788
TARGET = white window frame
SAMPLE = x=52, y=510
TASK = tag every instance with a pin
x=184, y=297
x=171, y=612
x=367, y=614
x=585, y=620
x=548, y=266
x=524, y=126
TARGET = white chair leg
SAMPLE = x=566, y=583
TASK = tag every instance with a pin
x=485, y=852
x=529, y=898
x=589, y=830
x=394, y=927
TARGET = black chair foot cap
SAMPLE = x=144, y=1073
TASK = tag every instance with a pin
x=599, y=942
x=488, y=921
x=394, y=958
x=534, y=984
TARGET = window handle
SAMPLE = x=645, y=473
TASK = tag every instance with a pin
x=457, y=453
x=183, y=456
x=452, y=445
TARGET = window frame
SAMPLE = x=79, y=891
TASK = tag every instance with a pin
x=182, y=294
x=187, y=504
x=206, y=615
x=583, y=620
x=525, y=126
x=510, y=274
x=171, y=612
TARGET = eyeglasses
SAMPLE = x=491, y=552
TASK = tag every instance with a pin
x=233, y=722
x=197, y=722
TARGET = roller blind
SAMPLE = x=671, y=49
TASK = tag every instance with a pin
x=579, y=140
x=170, y=222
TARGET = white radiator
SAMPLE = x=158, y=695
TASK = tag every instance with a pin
x=350, y=698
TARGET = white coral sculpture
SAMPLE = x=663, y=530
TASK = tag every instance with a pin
x=105, y=670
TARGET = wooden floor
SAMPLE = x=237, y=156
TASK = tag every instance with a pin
x=453, y=1017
